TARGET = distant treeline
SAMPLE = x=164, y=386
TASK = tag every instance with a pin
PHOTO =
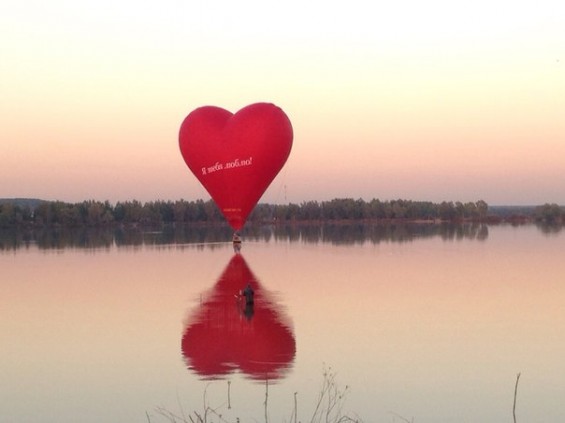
x=37, y=213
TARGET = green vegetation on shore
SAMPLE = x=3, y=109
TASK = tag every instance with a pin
x=91, y=213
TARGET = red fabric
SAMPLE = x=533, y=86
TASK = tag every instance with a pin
x=236, y=156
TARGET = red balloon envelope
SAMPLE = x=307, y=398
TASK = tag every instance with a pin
x=236, y=156
x=224, y=334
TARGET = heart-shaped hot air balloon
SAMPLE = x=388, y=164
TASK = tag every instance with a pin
x=236, y=156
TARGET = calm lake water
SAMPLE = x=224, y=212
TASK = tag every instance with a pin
x=430, y=323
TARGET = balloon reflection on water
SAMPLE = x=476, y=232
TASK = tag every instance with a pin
x=224, y=334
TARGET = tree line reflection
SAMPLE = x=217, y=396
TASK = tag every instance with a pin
x=218, y=235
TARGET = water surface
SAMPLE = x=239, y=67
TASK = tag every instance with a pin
x=425, y=322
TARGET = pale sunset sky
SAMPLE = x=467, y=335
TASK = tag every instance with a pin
x=436, y=100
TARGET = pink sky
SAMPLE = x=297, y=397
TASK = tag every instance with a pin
x=436, y=103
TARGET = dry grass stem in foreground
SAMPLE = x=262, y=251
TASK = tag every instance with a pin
x=327, y=409
x=515, y=395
